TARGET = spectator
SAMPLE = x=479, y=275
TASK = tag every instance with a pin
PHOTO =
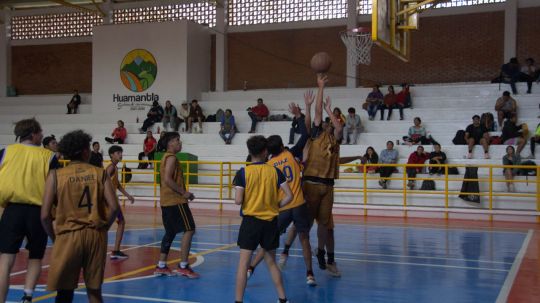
x=161, y=148
x=529, y=73
x=155, y=115
x=149, y=148
x=170, y=117
x=257, y=113
x=74, y=103
x=417, y=157
x=511, y=158
x=512, y=134
x=228, y=127
x=403, y=98
x=390, y=102
x=353, y=126
x=371, y=157
x=298, y=118
x=437, y=157
x=388, y=156
x=477, y=134
x=195, y=113
x=505, y=107
x=96, y=157
x=510, y=73
x=488, y=121
x=417, y=133
x=184, y=113
x=339, y=116
x=374, y=100
x=119, y=134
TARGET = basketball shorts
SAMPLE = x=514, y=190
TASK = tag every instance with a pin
x=84, y=249
x=120, y=216
x=177, y=218
x=254, y=232
x=20, y=221
x=298, y=215
x=320, y=200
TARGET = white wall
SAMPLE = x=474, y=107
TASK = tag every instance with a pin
x=169, y=44
x=198, y=61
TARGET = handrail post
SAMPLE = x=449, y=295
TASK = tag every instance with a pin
x=155, y=182
x=186, y=182
x=229, y=185
x=404, y=189
x=220, y=186
x=490, y=195
x=446, y=191
x=365, y=189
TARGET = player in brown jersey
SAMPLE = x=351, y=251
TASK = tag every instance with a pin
x=175, y=210
x=85, y=207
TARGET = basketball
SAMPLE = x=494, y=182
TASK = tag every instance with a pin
x=321, y=62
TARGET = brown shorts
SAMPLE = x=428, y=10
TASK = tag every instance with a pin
x=86, y=249
x=320, y=200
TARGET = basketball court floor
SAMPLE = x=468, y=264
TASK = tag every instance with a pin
x=381, y=260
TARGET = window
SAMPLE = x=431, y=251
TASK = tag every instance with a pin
x=53, y=25
x=364, y=6
x=200, y=12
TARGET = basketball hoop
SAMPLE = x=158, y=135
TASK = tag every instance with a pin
x=358, y=42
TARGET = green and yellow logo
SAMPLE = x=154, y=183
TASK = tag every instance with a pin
x=138, y=70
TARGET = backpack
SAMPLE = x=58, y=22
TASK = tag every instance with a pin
x=210, y=118
x=459, y=139
x=428, y=185
x=527, y=171
x=453, y=171
x=220, y=114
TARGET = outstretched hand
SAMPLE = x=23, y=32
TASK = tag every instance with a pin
x=322, y=79
x=328, y=105
x=294, y=109
x=309, y=98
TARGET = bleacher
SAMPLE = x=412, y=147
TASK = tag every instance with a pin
x=444, y=109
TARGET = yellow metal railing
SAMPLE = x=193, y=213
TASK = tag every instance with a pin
x=225, y=171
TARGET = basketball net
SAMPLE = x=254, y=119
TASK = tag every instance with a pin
x=358, y=42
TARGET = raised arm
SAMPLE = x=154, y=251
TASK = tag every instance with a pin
x=298, y=148
x=338, y=127
x=308, y=100
x=321, y=82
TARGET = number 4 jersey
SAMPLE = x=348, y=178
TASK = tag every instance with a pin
x=292, y=170
x=80, y=201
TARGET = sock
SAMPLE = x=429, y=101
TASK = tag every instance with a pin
x=320, y=252
x=183, y=264
x=282, y=300
x=309, y=273
x=330, y=258
x=28, y=292
x=286, y=249
x=161, y=264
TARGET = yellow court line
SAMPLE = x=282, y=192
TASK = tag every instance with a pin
x=136, y=271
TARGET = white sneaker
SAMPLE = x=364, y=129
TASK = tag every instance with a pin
x=310, y=280
x=333, y=270
x=249, y=273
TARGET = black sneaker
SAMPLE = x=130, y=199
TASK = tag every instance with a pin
x=118, y=255
x=26, y=299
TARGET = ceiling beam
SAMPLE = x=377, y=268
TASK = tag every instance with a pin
x=75, y=6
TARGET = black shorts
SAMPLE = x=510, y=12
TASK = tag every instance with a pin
x=21, y=221
x=177, y=218
x=254, y=232
x=298, y=215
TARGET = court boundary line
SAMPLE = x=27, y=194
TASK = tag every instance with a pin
x=137, y=298
x=512, y=274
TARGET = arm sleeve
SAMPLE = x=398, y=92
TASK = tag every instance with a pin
x=240, y=178
x=54, y=163
x=281, y=177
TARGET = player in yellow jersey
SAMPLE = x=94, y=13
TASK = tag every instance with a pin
x=288, y=162
x=86, y=206
x=23, y=169
x=257, y=191
x=115, y=153
x=175, y=210
x=321, y=169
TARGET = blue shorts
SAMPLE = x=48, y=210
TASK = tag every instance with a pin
x=120, y=216
x=298, y=215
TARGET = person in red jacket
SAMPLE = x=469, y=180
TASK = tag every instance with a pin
x=403, y=98
x=418, y=157
x=257, y=113
x=119, y=134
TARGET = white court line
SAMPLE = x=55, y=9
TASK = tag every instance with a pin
x=486, y=229
x=146, y=299
x=507, y=286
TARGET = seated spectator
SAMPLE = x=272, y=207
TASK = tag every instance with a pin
x=512, y=134
x=339, y=115
x=170, y=117
x=257, y=113
x=477, y=134
x=510, y=73
x=195, y=114
x=119, y=134
x=505, y=107
x=529, y=73
x=390, y=102
x=74, y=103
x=352, y=126
x=228, y=127
x=388, y=156
x=161, y=148
x=96, y=157
x=184, y=114
x=373, y=101
x=511, y=158
x=488, y=121
x=371, y=157
x=298, y=118
x=417, y=157
x=403, y=98
x=149, y=148
x=437, y=157
x=534, y=140
x=417, y=134
x=155, y=115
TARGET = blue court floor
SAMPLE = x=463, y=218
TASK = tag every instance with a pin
x=378, y=264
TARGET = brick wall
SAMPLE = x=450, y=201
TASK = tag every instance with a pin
x=52, y=69
x=528, y=34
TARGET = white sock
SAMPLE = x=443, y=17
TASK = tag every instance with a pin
x=183, y=264
x=28, y=292
x=161, y=264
